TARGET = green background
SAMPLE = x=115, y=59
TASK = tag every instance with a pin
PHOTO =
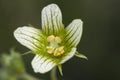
x=100, y=41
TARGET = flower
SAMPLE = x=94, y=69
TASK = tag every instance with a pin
x=54, y=44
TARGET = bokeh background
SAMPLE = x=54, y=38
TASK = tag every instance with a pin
x=100, y=41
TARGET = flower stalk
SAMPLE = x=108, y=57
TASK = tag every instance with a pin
x=53, y=74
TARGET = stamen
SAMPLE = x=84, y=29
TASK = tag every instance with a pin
x=59, y=51
x=50, y=50
x=58, y=39
x=62, y=51
x=56, y=52
x=50, y=38
x=53, y=47
x=61, y=48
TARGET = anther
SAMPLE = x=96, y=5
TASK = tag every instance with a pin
x=50, y=38
x=59, y=51
x=49, y=50
x=58, y=39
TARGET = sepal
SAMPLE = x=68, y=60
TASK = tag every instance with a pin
x=77, y=54
x=60, y=69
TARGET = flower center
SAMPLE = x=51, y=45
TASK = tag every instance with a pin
x=53, y=45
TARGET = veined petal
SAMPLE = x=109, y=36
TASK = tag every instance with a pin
x=68, y=56
x=74, y=33
x=30, y=37
x=42, y=64
x=51, y=19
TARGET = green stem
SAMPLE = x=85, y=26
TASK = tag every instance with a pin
x=29, y=77
x=53, y=74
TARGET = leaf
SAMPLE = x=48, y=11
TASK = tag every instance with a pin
x=77, y=54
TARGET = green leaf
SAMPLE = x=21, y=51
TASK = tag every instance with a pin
x=77, y=54
x=60, y=69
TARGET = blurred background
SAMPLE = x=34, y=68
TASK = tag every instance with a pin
x=100, y=41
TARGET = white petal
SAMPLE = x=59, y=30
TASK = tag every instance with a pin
x=74, y=33
x=51, y=19
x=42, y=64
x=29, y=37
x=68, y=56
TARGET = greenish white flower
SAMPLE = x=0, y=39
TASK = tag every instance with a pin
x=54, y=44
